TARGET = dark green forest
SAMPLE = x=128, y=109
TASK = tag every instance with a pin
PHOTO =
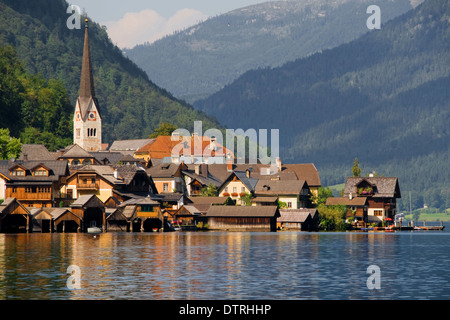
x=50, y=55
x=383, y=98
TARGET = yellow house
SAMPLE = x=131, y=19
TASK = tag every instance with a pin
x=237, y=184
x=295, y=193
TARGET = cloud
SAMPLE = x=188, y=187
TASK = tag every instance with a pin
x=148, y=26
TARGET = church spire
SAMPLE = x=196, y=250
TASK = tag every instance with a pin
x=87, y=80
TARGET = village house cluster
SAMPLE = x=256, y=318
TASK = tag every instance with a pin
x=141, y=185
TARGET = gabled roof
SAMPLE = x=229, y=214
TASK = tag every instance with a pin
x=204, y=180
x=87, y=201
x=384, y=187
x=8, y=204
x=129, y=146
x=304, y=171
x=35, y=152
x=164, y=146
x=57, y=169
x=105, y=172
x=75, y=151
x=296, y=215
x=107, y=157
x=280, y=187
x=139, y=201
x=249, y=182
x=164, y=170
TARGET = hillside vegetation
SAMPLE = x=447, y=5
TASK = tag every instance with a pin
x=132, y=106
x=383, y=98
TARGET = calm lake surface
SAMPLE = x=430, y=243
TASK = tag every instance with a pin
x=226, y=265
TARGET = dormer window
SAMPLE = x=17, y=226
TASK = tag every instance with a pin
x=41, y=172
x=18, y=172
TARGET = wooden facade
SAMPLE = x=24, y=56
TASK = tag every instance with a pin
x=381, y=194
x=14, y=217
x=141, y=214
x=242, y=218
x=91, y=211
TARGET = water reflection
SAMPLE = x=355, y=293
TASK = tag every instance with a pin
x=225, y=265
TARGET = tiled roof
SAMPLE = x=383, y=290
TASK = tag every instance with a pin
x=304, y=171
x=58, y=169
x=355, y=201
x=277, y=187
x=384, y=186
x=35, y=152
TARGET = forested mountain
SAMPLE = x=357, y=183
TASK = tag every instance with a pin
x=383, y=98
x=200, y=60
x=132, y=106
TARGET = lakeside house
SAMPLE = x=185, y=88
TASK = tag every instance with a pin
x=370, y=199
x=33, y=183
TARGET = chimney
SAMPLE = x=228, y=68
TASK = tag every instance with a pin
x=229, y=165
x=247, y=173
x=204, y=170
x=278, y=162
x=197, y=169
x=350, y=196
x=116, y=174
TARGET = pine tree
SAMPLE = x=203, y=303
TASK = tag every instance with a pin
x=356, y=169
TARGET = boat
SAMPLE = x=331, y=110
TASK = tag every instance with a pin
x=94, y=230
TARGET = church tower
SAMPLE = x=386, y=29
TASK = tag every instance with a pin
x=87, y=122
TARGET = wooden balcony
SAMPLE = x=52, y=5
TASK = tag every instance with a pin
x=87, y=186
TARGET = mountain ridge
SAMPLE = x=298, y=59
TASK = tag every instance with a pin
x=202, y=59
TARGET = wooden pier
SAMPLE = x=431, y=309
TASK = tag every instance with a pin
x=401, y=228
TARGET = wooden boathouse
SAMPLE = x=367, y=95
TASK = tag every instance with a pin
x=262, y=218
x=14, y=216
x=140, y=214
x=91, y=210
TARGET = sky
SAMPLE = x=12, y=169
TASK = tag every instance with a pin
x=133, y=22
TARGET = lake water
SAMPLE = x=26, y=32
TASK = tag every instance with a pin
x=226, y=265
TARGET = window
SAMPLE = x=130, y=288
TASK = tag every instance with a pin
x=91, y=132
x=243, y=189
x=226, y=189
x=378, y=213
x=92, y=115
x=78, y=132
x=41, y=172
x=165, y=187
x=289, y=204
x=234, y=189
x=18, y=173
x=146, y=208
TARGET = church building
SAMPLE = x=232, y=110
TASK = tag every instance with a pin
x=87, y=120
